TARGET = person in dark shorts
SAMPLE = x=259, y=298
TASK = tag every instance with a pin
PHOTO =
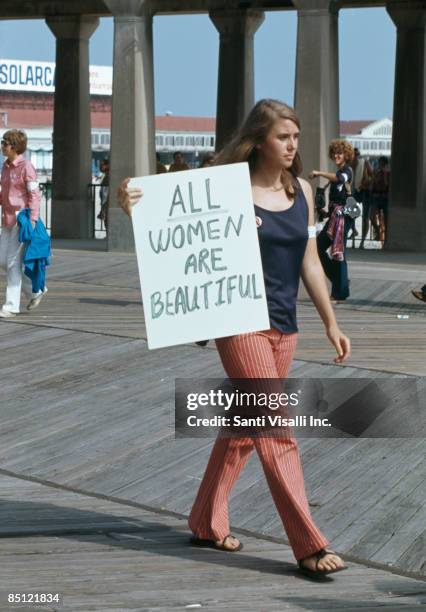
x=380, y=197
x=363, y=174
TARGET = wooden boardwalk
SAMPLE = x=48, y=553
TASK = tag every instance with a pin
x=86, y=406
x=101, y=555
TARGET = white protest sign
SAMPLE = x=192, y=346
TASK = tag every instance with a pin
x=198, y=255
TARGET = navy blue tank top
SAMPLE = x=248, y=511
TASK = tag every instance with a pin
x=283, y=236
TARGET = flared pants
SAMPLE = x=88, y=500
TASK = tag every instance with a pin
x=266, y=354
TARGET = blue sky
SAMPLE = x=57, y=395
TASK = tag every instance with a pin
x=186, y=54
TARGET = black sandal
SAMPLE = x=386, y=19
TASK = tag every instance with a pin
x=419, y=295
x=316, y=573
x=212, y=544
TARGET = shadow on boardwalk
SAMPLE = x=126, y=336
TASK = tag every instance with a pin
x=119, y=555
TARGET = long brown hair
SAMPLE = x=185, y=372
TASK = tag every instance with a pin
x=253, y=131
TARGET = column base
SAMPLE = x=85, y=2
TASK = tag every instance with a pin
x=120, y=231
x=407, y=230
x=71, y=219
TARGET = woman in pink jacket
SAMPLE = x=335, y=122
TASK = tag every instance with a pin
x=19, y=189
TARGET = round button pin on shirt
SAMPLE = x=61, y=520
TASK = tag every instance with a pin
x=258, y=221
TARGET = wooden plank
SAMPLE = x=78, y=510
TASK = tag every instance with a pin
x=95, y=413
x=413, y=558
x=108, y=556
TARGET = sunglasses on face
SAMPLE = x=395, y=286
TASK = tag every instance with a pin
x=5, y=143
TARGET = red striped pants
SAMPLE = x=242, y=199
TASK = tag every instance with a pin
x=266, y=354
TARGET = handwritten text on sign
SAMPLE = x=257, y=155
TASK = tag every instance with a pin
x=198, y=255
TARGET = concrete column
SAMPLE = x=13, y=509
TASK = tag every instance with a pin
x=72, y=216
x=235, y=92
x=407, y=201
x=316, y=97
x=133, y=119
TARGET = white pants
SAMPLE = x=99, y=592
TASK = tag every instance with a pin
x=11, y=256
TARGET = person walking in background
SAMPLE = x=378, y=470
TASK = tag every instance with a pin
x=104, y=192
x=178, y=163
x=362, y=175
x=380, y=197
x=335, y=232
x=19, y=190
x=284, y=213
x=207, y=161
x=160, y=167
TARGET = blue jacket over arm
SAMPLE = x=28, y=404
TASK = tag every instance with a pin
x=37, y=251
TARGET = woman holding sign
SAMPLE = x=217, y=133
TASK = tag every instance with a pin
x=284, y=210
